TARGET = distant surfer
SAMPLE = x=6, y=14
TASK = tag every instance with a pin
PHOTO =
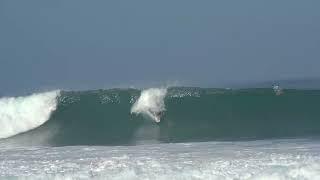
x=277, y=90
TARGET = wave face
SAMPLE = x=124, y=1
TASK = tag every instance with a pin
x=22, y=114
x=129, y=116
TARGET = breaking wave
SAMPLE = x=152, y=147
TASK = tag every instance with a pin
x=178, y=114
x=21, y=114
x=151, y=103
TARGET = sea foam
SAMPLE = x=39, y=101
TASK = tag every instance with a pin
x=150, y=103
x=292, y=159
x=21, y=114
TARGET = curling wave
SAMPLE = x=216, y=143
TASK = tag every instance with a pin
x=21, y=114
x=122, y=116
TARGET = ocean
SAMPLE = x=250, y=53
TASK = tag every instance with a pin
x=161, y=133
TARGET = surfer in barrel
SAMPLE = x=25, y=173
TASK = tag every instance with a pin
x=157, y=116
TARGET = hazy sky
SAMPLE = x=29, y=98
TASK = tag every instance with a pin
x=92, y=44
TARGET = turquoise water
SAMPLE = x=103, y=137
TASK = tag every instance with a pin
x=105, y=117
x=161, y=133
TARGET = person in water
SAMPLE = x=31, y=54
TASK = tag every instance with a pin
x=159, y=115
x=277, y=90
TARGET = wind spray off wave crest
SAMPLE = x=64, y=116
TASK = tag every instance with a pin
x=150, y=103
x=21, y=114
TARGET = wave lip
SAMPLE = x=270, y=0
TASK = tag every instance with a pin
x=150, y=103
x=21, y=114
x=187, y=114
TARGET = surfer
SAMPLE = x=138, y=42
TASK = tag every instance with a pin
x=277, y=90
x=158, y=116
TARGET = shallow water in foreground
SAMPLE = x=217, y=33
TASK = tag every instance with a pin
x=265, y=159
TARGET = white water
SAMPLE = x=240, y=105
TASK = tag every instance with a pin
x=21, y=114
x=252, y=160
x=150, y=103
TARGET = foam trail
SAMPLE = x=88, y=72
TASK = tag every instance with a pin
x=21, y=114
x=150, y=103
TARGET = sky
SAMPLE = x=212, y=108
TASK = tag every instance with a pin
x=82, y=44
